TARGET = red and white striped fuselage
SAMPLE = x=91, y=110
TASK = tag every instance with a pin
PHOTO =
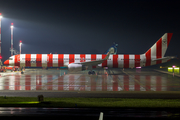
x=61, y=60
x=155, y=55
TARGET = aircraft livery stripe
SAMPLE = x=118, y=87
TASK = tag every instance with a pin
x=88, y=57
x=71, y=58
x=33, y=60
x=121, y=61
x=137, y=60
x=17, y=60
x=159, y=50
x=131, y=61
x=28, y=60
x=39, y=60
x=115, y=61
x=44, y=60
x=126, y=61
x=55, y=60
x=169, y=35
x=93, y=58
x=60, y=60
x=104, y=64
x=49, y=60
x=148, y=58
x=82, y=58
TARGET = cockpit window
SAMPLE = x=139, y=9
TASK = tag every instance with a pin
x=10, y=58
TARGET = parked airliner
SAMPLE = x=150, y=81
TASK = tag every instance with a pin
x=155, y=55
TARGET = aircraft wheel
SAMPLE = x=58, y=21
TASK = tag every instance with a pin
x=89, y=72
x=93, y=72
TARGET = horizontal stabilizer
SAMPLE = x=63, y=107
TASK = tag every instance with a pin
x=165, y=58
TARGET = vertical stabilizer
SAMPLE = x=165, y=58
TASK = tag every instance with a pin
x=158, y=50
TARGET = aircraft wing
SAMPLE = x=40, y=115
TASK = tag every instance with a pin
x=96, y=62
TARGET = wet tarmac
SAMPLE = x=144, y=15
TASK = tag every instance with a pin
x=115, y=81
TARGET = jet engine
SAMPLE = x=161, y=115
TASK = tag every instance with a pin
x=76, y=67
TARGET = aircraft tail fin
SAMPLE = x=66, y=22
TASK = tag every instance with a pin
x=158, y=50
x=114, y=47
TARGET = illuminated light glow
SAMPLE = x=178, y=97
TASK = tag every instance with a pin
x=32, y=102
x=20, y=43
x=170, y=68
x=106, y=67
x=138, y=67
x=176, y=68
x=173, y=66
x=12, y=25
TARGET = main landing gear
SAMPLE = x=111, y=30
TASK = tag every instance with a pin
x=91, y=72
x=22, y=70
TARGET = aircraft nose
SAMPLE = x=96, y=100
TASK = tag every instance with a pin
x=6, y=62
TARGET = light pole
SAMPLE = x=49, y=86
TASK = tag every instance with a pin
x=12, y=39
x=0, y=40
x=20, y=43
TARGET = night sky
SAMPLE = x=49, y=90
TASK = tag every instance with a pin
x=89, y=26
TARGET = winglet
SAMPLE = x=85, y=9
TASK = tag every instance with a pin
x=111, y=50
x=114, y=47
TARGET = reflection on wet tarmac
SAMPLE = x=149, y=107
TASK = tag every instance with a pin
x=116, y=80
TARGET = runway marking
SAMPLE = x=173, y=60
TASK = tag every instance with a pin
x=167, y=73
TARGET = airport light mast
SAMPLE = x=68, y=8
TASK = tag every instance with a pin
x=0, y=40
x=20, y=43
x=11, y=39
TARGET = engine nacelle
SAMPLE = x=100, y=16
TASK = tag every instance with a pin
x=76, y=67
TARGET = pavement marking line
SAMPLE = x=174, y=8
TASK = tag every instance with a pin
x=167, y=73
x=136, y=81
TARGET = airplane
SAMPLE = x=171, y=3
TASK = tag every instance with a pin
x=76, y=62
